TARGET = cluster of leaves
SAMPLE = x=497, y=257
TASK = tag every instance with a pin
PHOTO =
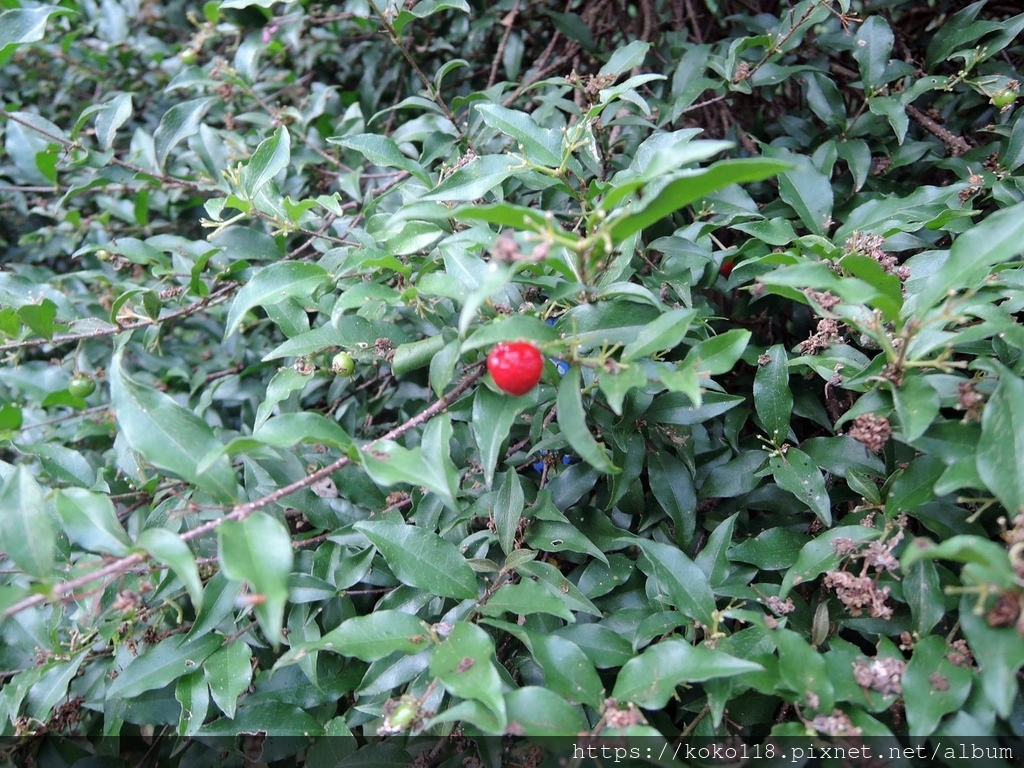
x=772, y=481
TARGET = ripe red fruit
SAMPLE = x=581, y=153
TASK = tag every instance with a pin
x=515, y=366
x=726, y=269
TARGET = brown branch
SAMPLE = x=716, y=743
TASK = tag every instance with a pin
x=143, y=322
x=508, y=22
x=956, y=145
x=69, y=145
x=242, y=511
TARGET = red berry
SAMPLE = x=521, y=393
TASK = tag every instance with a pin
x=726, y=269
x=515, y=366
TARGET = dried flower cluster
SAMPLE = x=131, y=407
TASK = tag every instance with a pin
x=882, y=674
x=871, y=246
x=873, y=431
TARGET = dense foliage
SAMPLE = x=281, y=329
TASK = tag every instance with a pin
x=256, y=479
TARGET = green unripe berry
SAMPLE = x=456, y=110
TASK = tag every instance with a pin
x=1004, y=98
x=343, y=364
x=81, y=385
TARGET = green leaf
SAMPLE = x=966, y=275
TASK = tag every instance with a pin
x=1000, y=455
x=773, y=399
x=650, y=679
x=873, y=45
x=509, y=503
x=168, y=548
x=370, y=637
x=507, y=215
x=229, y=672
x=939, y=686
x=567, y=670
x=803, y=670
x=685, y=584
x=524, y=598
x=672, y=485
x=25, y=25
x=39, y=317
x=771, y=550
x=26, y=528
x=819, y=555
x=168, y=436
x=809, y=192
x=539, y=144
x=90, y=521
x=512, y=328
x=258, y=550
x=421, y=558
x=923, y=593
x=983, y=559
x=473, y=180
x=193, y=694
x=660, y=335
x=917, y=404
x=536, y=711
x=996, y=239
x=573, y=421
x=795, y=472
x=178, y=123
x=61, y=463
x=273, y=284
x=387, y=463
x=625, y=58
x=718, y=354
x=465, y=665
x=493, y=417
x=383, y=152
x=690, y=187
x=270, y=158
x=1000, y=653
x=161, y=665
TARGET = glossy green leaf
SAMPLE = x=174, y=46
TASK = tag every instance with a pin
x=509, y=502
x=273, y=284
x=179, y=123
x=795, y=472
x=421, y=558
x=90, y=521
x=370, y=637
x=258, y=551
x=940, y=686
x=1000, y=457
x=387, y=463
x=475, y=179
x=162, y=664
x=26, y=528
x=536, y=711
x=270, y=158
x=465, y=665
x=539, y=144
x=573, y=421
x=804, y=671
x=1000, y=653
x=684, y=584
x=166, y=435
x=229, y=673
x=650, y=679
x=168, y=548
x=690, y=187
x=382, y=151
x=660, y=335
x=773, y=399
x=25, y=25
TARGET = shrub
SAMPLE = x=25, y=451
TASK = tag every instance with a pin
x=771, y=480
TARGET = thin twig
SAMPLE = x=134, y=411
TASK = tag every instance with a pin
x=242, y=511
x=142, y=322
